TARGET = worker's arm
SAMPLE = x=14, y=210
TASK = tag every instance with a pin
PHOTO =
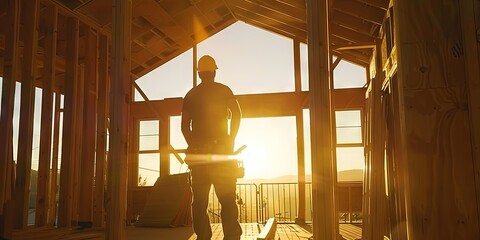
x=186, y=130
x=235, y=122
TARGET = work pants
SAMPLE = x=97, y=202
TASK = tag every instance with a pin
x=222, y=177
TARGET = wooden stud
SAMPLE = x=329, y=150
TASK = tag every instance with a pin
x=375, y=228
x=471, y=37
x=42, y=206
x=7, y=101
x=118, y=154
x=87, y=161
x=300, y=137
x=323, y=172
x=54, y=172
x=25, y=133
x=69, y=124
x=6, y=119
x=101, y=153
x=164, y=147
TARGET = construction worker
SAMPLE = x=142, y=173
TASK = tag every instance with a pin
x=206, y=110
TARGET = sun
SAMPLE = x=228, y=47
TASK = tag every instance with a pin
x=254, y=162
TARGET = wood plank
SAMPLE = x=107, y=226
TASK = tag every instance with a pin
x=375, y=228
x=323, y=172
x=300, y=137
x=101, y=152
x=65, y=204
x=350, y=35
x=353, y=22
x=269, y=24
x=269, y=230
x=358, y=9
x=25, y=134
x=281, y=20
x=439, y=169
x=87, y=160
x=383, y=4
x=120, y=100
x=54, y=188
x=9, y=67
x=50, y=49
x=470, y=12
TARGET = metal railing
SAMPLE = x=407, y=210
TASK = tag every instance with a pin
x=281, y=201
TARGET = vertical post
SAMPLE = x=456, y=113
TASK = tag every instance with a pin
x=87, y=161
x=300, y=136
x=375, y=227
x=101, y=153
x=470, y=14
x=69, y=124
x=54, y=172
x=6, y=118
x=164, y=145
x=42, y=206
x=195, y=81
x=118, y=161
x=323, y=173
x=25, y=133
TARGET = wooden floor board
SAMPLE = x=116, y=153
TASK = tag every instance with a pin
x=250, y=232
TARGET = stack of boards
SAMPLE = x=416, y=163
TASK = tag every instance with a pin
x=169, y=203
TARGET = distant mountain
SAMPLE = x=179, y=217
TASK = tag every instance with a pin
x=354, y=175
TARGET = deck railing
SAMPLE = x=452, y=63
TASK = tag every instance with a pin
x=281, y=201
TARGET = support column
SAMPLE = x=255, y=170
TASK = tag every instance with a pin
x=374, y=227
x=87, y=160
x=10, y=67
x=300, y=137
x=42, y=206
x=120, y=99
x=101, y=153
x=70, y=118
x=29, y=22
x=325, y=225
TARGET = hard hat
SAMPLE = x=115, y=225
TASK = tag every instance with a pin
x=206, y=63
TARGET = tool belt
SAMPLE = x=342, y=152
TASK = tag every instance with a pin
x=213, y=154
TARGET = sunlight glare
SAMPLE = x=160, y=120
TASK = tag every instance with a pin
x=254, y=161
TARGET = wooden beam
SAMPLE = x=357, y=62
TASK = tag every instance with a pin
x=50, y=49
x=325, y=225
x=382, y=4
x=358, y=9
x=120, y=100
x=471, y=36
x=27, y=103
x=54, y=172
x=353, y=22
x=102, y=124
x=87, y=160
x=9, y=67
x=65, y=204
x=375, y=228
x=279, y=20
x=269, y=24
x=300, y=137
x=351, y=35
x=354, y=46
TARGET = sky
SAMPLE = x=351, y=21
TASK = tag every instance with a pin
x=250, y=60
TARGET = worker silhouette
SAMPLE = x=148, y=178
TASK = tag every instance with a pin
x=206, y=110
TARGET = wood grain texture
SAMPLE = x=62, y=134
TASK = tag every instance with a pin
x=439, y=168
